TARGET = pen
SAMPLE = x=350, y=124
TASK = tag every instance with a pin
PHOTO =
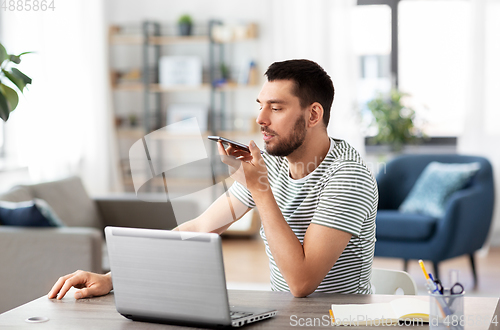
x=331, y=315
x=436, y=287
x=432, y=287
x=439, y=305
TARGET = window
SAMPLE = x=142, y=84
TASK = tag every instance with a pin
x=433, y=60
x=372, y=46
x=421, y=47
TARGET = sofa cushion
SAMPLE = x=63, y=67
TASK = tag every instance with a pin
x=395, y=225
x=69, y=200
x=35, y=213
x=435, y=185
x=17, y=194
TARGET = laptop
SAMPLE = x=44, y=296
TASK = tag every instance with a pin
x=173, y=277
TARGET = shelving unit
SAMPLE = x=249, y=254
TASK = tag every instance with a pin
x=155, y=98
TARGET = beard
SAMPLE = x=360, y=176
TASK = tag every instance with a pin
x=285, y=146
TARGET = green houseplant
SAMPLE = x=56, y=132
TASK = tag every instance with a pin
x=185, y=23
x=394, y=120
x=9, y=97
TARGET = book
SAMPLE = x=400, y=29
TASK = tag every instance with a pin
x=406, y=310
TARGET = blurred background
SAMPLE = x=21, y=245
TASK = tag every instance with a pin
x=105, y=73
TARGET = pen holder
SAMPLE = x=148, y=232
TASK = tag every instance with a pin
x=446, y=311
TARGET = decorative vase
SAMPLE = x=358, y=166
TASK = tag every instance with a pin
x=185, y=29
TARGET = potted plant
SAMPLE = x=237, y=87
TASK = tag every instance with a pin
x=185, y=24
x=133, y=120
x=9, y=97
x=394, y=120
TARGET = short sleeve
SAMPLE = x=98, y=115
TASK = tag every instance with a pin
x=242, y=194
x=346, y=199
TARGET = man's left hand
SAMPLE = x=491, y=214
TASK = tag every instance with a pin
x=249, y=169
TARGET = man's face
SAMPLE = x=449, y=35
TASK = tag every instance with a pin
x=281, y=118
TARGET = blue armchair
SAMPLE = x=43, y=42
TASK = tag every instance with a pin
x=463, y=228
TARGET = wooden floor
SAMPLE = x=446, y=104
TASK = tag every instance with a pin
x=247, y=267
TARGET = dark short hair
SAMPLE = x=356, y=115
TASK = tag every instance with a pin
x=312, y=83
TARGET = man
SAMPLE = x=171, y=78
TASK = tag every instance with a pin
x=316, y=198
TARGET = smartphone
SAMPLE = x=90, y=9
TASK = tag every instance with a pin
x=234, y=144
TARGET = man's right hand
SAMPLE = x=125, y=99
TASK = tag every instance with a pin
x=90, y=285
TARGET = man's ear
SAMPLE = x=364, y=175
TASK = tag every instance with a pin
x=315, y=114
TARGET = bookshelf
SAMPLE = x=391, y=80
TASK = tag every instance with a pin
x=138, y=86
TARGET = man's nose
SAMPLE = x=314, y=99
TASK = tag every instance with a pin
x=263, y=118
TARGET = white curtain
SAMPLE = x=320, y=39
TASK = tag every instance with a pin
x=481, y=132
x=320, y=31
x=63, y=125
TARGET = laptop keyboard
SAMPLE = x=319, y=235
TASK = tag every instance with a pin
x=237, y=315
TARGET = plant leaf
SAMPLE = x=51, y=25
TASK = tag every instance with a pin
x=3, y=54
x=15, y=80
x=10, y=95
x=4, y=107
x=22, y=76
x=24, y=53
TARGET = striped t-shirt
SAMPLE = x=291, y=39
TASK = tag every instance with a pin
x=340, y=193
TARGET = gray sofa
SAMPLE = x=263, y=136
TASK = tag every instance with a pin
x=32, y=259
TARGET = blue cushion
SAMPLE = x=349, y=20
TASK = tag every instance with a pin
x=394, y=225
x=35, y=213
x=435, y=185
